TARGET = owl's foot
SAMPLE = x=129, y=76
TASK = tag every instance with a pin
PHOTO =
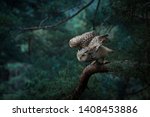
x=103, y=62
x=97, y=62
x=100, y=62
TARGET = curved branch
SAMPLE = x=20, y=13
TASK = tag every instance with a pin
x=85, y=76
x=102, y=68
x=62, y=11
x=60, y=22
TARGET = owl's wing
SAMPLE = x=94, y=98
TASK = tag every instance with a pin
x=95, y=43
x=103, y=38
x=97, y=47
x=83, y=40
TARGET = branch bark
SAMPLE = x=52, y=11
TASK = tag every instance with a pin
x=85, y=76
x=60, y=22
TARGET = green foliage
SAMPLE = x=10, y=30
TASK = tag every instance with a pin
x=41, y=65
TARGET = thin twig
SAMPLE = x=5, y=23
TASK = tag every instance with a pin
x=61, y=12
x=139, y=91
x=60, y=22
x=95, y=14
x=43, y=21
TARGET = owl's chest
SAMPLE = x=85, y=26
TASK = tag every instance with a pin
x=100, y=53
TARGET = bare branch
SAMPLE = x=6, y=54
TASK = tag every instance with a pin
x=61, y=11
x=43, y=21
x=85, y=76
x=95, y=14
x=60, y=22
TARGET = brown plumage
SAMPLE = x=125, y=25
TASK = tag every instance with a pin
x=83, y=40
x=90, y=54
x=90, y=47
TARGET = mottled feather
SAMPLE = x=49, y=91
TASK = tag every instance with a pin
x=83, y=40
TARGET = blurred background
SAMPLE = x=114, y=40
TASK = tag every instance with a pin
x=39, y=64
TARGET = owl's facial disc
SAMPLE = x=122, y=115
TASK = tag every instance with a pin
x=83, y=57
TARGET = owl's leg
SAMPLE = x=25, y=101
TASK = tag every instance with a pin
x=96, y=61
x=101, y=60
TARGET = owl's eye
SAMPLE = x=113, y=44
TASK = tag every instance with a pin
x=86, y=51
x=89, y=53
x=84, y=55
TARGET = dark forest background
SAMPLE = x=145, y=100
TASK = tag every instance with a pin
x=36, y=61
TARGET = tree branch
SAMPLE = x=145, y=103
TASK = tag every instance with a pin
x=84, y=78
x=115, y=67
x=95, y=14
x=43, y=21
x=60, y=22
x=62, y=11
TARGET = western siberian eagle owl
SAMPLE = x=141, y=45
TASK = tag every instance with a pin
x=90, y=47
x=93, y=53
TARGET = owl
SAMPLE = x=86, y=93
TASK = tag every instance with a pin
x=101, y=53
x=93, y=53
x=98, y=40
x=82, y=41
x=95, y=42
x=90, y=47
x=84, y=55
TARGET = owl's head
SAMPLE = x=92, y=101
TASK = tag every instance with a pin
x=84, y=55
